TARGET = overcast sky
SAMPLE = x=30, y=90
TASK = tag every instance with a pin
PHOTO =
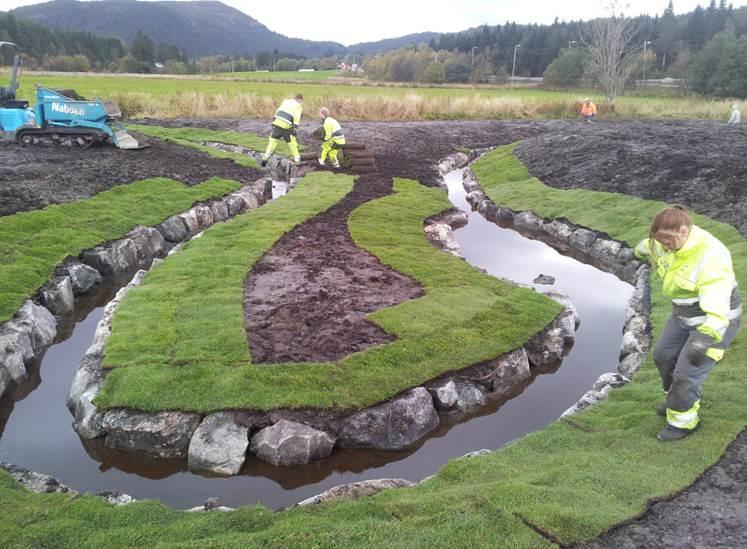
x=374, y=20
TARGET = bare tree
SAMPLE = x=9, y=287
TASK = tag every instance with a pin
x=612, y=52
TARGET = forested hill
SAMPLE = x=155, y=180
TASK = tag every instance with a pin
x=199, y=28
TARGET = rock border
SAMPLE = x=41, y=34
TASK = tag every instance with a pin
x=25, y=338
x=588, y=246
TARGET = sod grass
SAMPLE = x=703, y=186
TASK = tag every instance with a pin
x=178, y=341
x=569, y=483
x=33, y=243
x=191, y=137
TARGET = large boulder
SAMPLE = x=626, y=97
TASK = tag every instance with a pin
x=546, y=349
x=87, y=374
x=15, y=352
x=148, y=242
x=528, y=221
x=88, y=418
x=219, y=210
x=392, y=425
x=469, y=396
x=162, y=434
x=218, y=445
x=511, y=370
x=173, y=229
x=291, y=443
x=58, y=297
x=35, y=321
x=445, y=395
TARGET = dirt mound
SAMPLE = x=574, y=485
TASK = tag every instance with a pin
x=698, y=164
x=306, y=299
x=33, y=177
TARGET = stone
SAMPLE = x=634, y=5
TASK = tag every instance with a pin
x=87, y=374
x=235, y=205
x=149, y=243
x=505, y=215
x=124, y=255
x=476, y=453
x=218, y=445
x=15, y=352
x=5, y=380
x=582, y=239
x=470, y=396
x=491, y=213
x=291, y=443
x=37, y=322
x=356, y=490
x=445, y=396
x=173, y=229
x=590, y=398
x=116, y=498
x=441, y=235
x=161, y=434
x=392, y=425
x=569, y=308
x=511, y=369
x=82, y=277
x=100, y=259
x=546, y=348
x=58, y=296
x=219, y=210
x=475, y=197
x=190, y=221
x=88, y=418
x=528, y=221
x=635, y=338
x=631, y=364
x=611, y=379
x=605, y=250
x=544, y=279
x=204, y=216
x=558, y=230
x=36, y=482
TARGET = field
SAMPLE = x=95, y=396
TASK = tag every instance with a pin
x=154, y=97
x=566, y=484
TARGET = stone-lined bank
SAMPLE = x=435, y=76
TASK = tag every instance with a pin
x=586, y=245
x=24, y=338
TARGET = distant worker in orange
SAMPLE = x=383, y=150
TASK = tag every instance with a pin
x=588, y=110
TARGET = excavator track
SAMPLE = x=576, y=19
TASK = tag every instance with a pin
x=71, y=137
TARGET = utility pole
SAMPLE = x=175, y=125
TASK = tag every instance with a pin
x=473, y=56
x=513, y=68
x=645, y=43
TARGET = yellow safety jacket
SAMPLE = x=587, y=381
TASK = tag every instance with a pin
x=288, y=114
x=333, y=131
x=699, y=279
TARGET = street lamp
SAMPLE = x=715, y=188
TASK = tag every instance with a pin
x=513, y=68
x=473, y=56
x=645, y=43
x=570, y=44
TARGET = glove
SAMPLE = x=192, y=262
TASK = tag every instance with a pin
x=294, y=129
x=696, y=347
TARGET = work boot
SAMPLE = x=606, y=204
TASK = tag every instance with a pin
x=670, y=433
x=263, y=163
x=336, y=165
x=321, y=162
x=661, y=409
x=297, y=160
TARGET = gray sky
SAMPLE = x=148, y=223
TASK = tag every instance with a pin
x=371, y=21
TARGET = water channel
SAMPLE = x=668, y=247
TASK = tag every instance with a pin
x=38, y=435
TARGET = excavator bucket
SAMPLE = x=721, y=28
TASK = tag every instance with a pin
x=130, y=141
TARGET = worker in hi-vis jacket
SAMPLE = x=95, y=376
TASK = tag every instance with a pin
x=284, y=125
x=333, y=140
x=698, y=276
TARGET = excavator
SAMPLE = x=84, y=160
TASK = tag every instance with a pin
x=60, y=117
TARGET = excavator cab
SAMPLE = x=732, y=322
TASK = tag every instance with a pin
x=14, y=113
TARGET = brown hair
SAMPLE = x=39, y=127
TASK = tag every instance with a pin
x=671, y=219
x=299, y=97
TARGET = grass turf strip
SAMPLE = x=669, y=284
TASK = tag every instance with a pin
x=33, y=243
x=178, y=341
x=190, y=137
x=572, y=484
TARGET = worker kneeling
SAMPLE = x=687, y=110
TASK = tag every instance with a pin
x=698, y=276
x=334, y=139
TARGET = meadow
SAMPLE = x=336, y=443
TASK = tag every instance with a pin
x=257, y=94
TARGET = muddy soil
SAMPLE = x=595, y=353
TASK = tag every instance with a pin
x=34, y=177
x=306, y=299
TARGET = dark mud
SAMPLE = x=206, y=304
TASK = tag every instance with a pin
x=34, y=177
x=306, y=299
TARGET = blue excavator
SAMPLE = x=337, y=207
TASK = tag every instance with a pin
x=61, y=117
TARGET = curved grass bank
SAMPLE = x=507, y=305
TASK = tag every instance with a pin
x=33, y=243
x=178, y=341
x=569, y=483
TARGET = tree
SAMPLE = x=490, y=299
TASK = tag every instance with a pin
x=612, y=54
x=143, y=49
x=567, y=69
x=719, y=68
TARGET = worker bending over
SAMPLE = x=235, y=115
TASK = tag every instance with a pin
x=736, y=116
x=334, y=138
x=284, y=125
x=588, y=110
x=698, y=277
